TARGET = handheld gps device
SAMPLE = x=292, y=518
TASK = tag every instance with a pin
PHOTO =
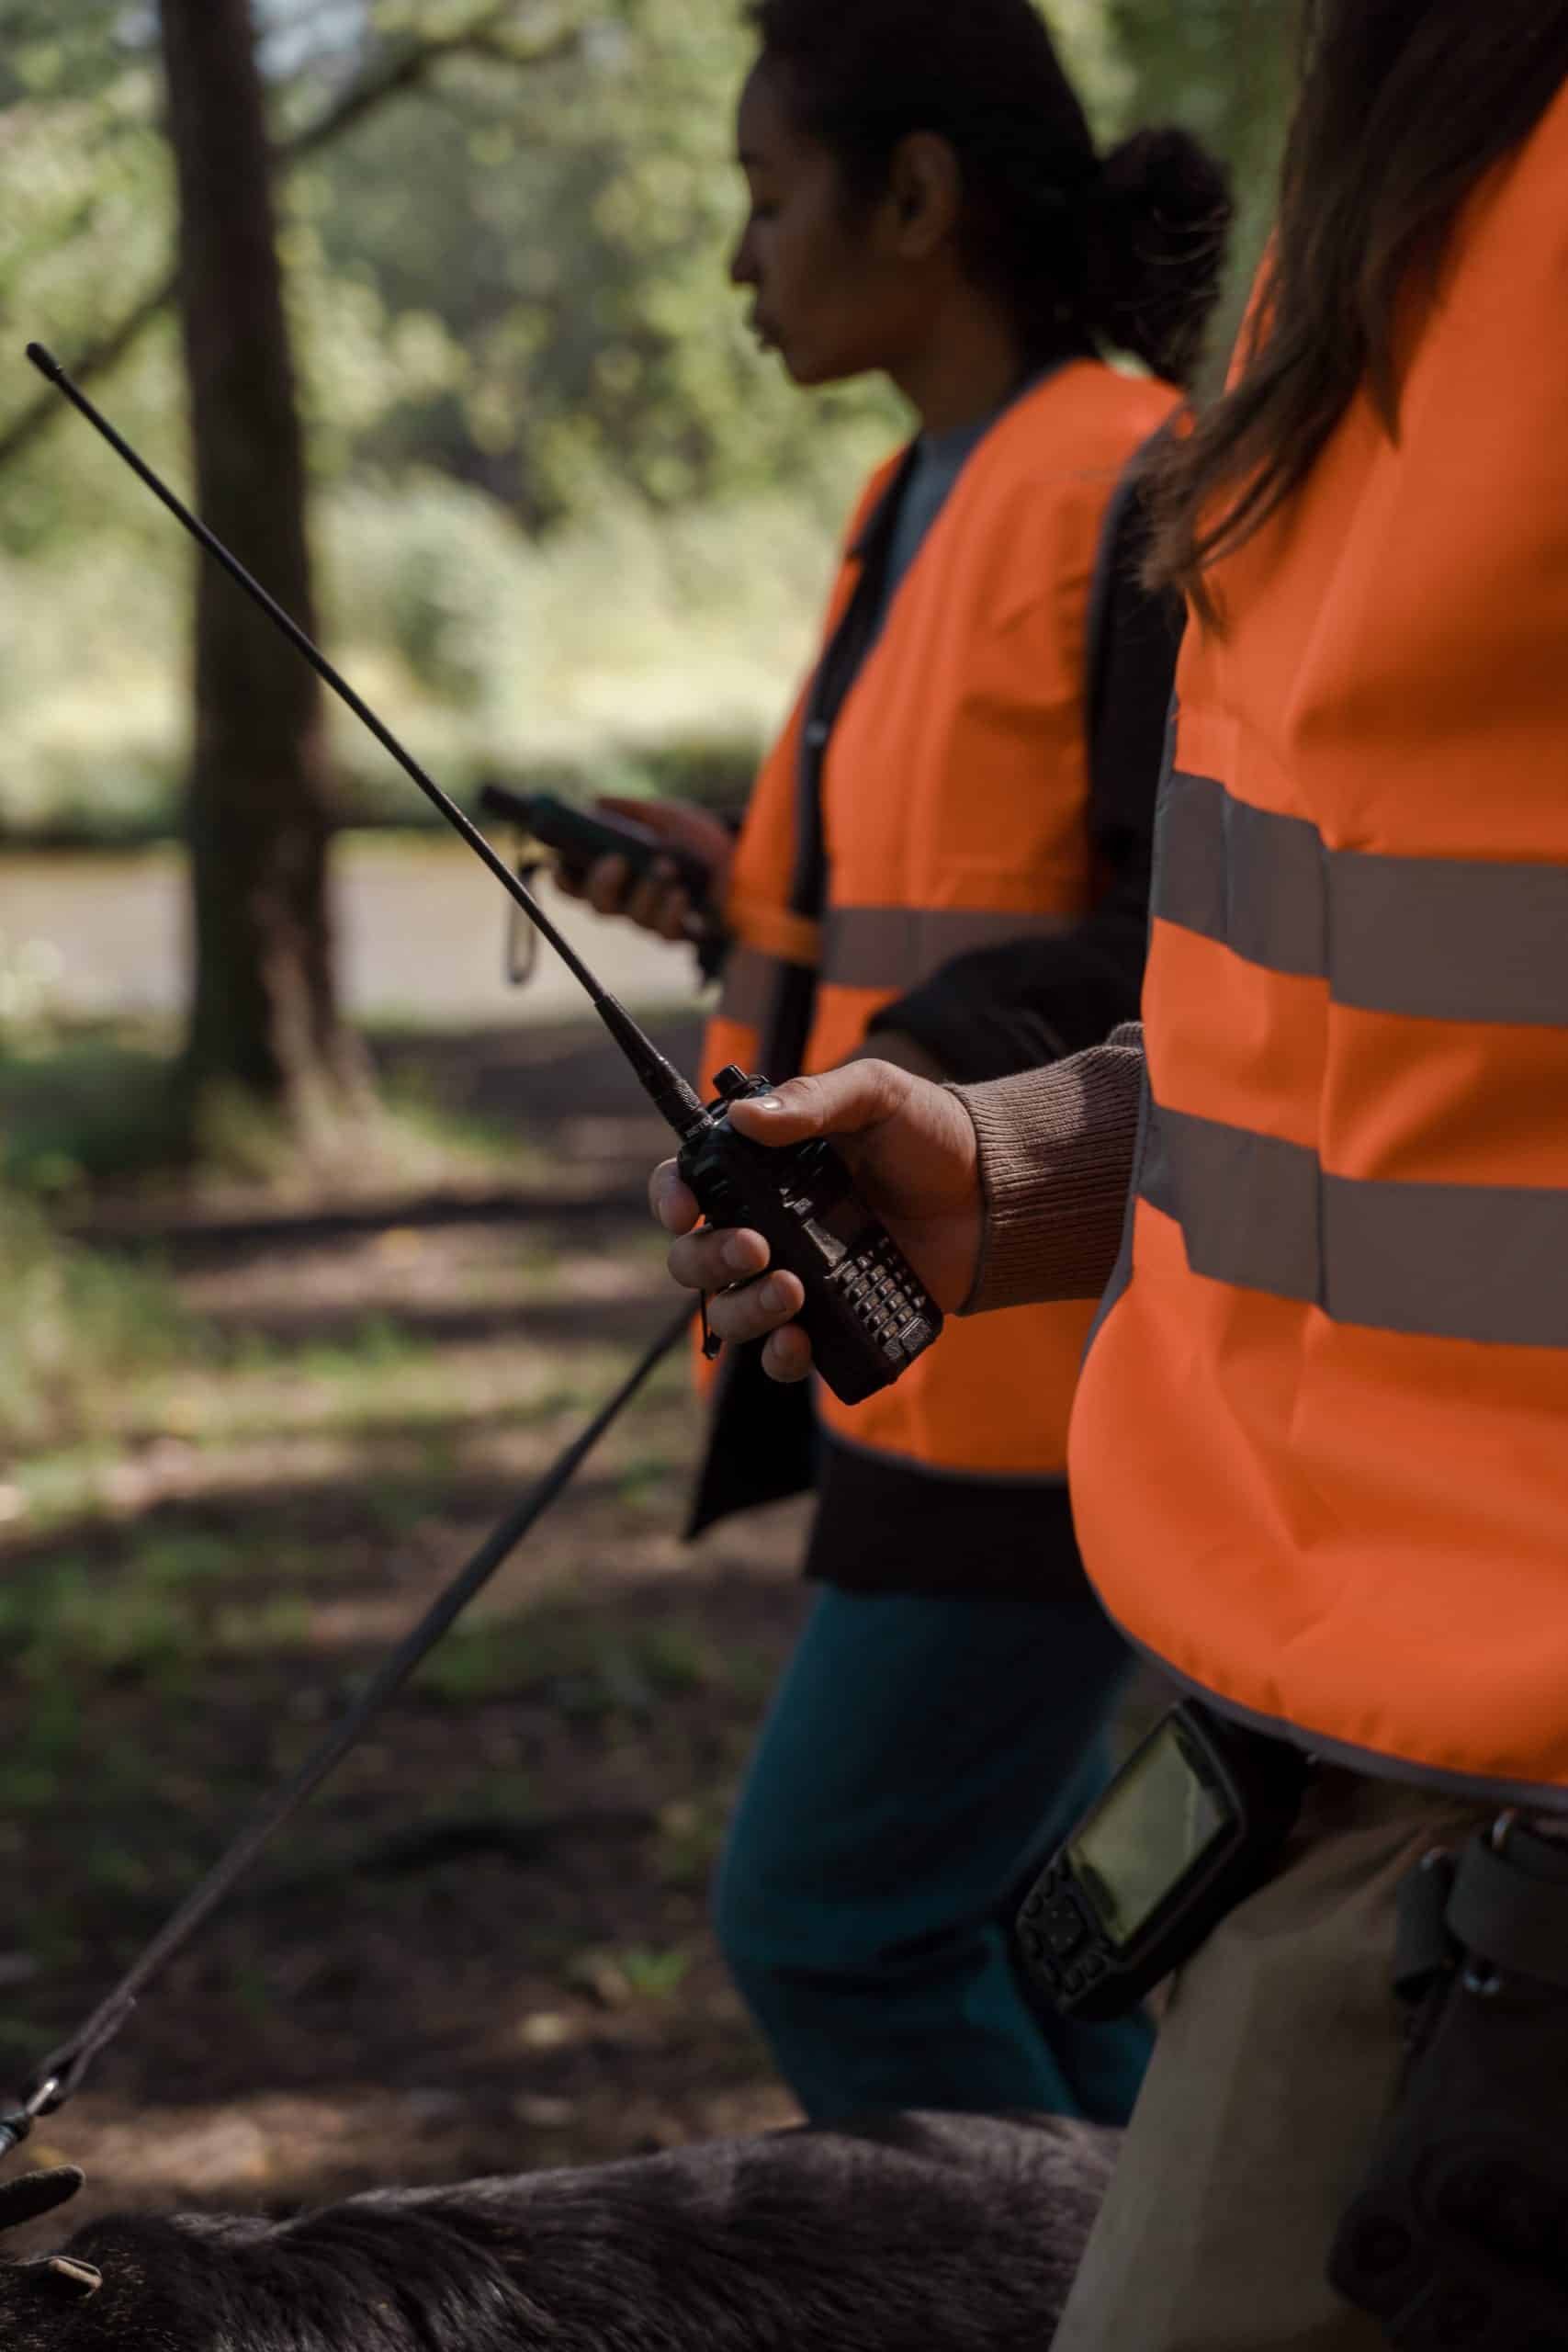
x=1190, y=1825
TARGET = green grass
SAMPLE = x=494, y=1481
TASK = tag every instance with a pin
x=79, y=1630
x=152, y=1613
x=76, y=1328
x=692, y=1832
x=393, y=1420
x=81, y=1105
x=94, y=1343
x=644, y=1484
x=591, y=1666
x=634, y=1972
x=654, y=1976
x=90, y=1104
x=169, y=1561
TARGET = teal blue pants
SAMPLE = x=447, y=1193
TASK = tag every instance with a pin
x=921, y=1758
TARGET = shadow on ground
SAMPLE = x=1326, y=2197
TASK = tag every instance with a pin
x=484, y=1945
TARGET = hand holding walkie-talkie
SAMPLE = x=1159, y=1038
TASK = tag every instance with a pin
x=862, y=1309
x=865, y=1311
x=909, y=1149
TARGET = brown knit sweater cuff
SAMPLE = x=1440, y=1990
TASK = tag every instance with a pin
x=1056, y=1149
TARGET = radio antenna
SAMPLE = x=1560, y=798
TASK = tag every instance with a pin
x=660, y=1080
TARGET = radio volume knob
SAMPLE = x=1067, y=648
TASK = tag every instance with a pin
x=731, y=1083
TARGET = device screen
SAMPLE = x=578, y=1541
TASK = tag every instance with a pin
x=1144, y=1836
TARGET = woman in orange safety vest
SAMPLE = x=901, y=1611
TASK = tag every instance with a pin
x=946, y=853
x=1338, y=1324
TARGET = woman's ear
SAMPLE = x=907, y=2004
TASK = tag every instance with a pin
x=926, y=187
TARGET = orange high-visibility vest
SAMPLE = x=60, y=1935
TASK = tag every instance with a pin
x=1320, y=1454
x=954, y=801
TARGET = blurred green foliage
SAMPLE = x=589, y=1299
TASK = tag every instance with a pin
x=569, y=522
x=73, y=1325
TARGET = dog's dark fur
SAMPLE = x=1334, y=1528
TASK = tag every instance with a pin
x=912, y=2233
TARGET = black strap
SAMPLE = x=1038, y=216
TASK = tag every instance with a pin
x=1502, y=1911
x=1119, y=610
x=842, y=661
x=794, y=997
x=65, y=2067
x=1424, y=1951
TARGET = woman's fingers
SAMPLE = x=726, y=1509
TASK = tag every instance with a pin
x=744, y=1302
x=913, y=1153
x=607, y=881
x=709, y=1260
x=842, y=1101
x=658, y=901
x=786, y=1356
x=727, y=1266
x=755, y=1309
x=675, y=1207
x=674, y=920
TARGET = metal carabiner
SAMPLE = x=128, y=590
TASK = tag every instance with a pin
x=16, y=2123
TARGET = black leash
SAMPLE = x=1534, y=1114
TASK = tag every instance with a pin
x=60, y=2076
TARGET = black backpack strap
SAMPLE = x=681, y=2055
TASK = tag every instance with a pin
x=1119, y=561
x=784, y=1046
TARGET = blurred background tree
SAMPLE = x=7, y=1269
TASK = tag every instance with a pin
x=265, y=1013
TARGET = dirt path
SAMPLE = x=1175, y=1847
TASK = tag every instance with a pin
x=484, y=1945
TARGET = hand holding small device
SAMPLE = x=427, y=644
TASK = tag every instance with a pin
x=662, y=863
x=911, y=1149
x=679, y=891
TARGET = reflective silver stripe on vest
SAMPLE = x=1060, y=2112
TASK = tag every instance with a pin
x=1431, y=938
x=751, y=980
x=898, y=947
x=1447, y=1261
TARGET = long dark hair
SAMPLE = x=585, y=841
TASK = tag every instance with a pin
x=1405, y=105
x=1125, y=251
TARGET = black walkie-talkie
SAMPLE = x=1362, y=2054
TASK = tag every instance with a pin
x=866, y=1312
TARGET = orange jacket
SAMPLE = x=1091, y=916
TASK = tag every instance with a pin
x=1342, y=1342
x=954, y=800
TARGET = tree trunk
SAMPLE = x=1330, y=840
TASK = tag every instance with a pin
x=264, y=1023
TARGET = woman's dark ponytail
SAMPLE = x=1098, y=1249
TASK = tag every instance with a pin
x=1155, y=243
x=1126, y=252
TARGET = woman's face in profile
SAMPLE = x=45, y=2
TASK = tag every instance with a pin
x=832, y=296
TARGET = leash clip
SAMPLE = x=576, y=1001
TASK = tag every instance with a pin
x=43, y=2100
x=16, y=2123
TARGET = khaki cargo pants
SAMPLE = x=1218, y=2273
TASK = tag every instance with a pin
x=1278, y=2057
